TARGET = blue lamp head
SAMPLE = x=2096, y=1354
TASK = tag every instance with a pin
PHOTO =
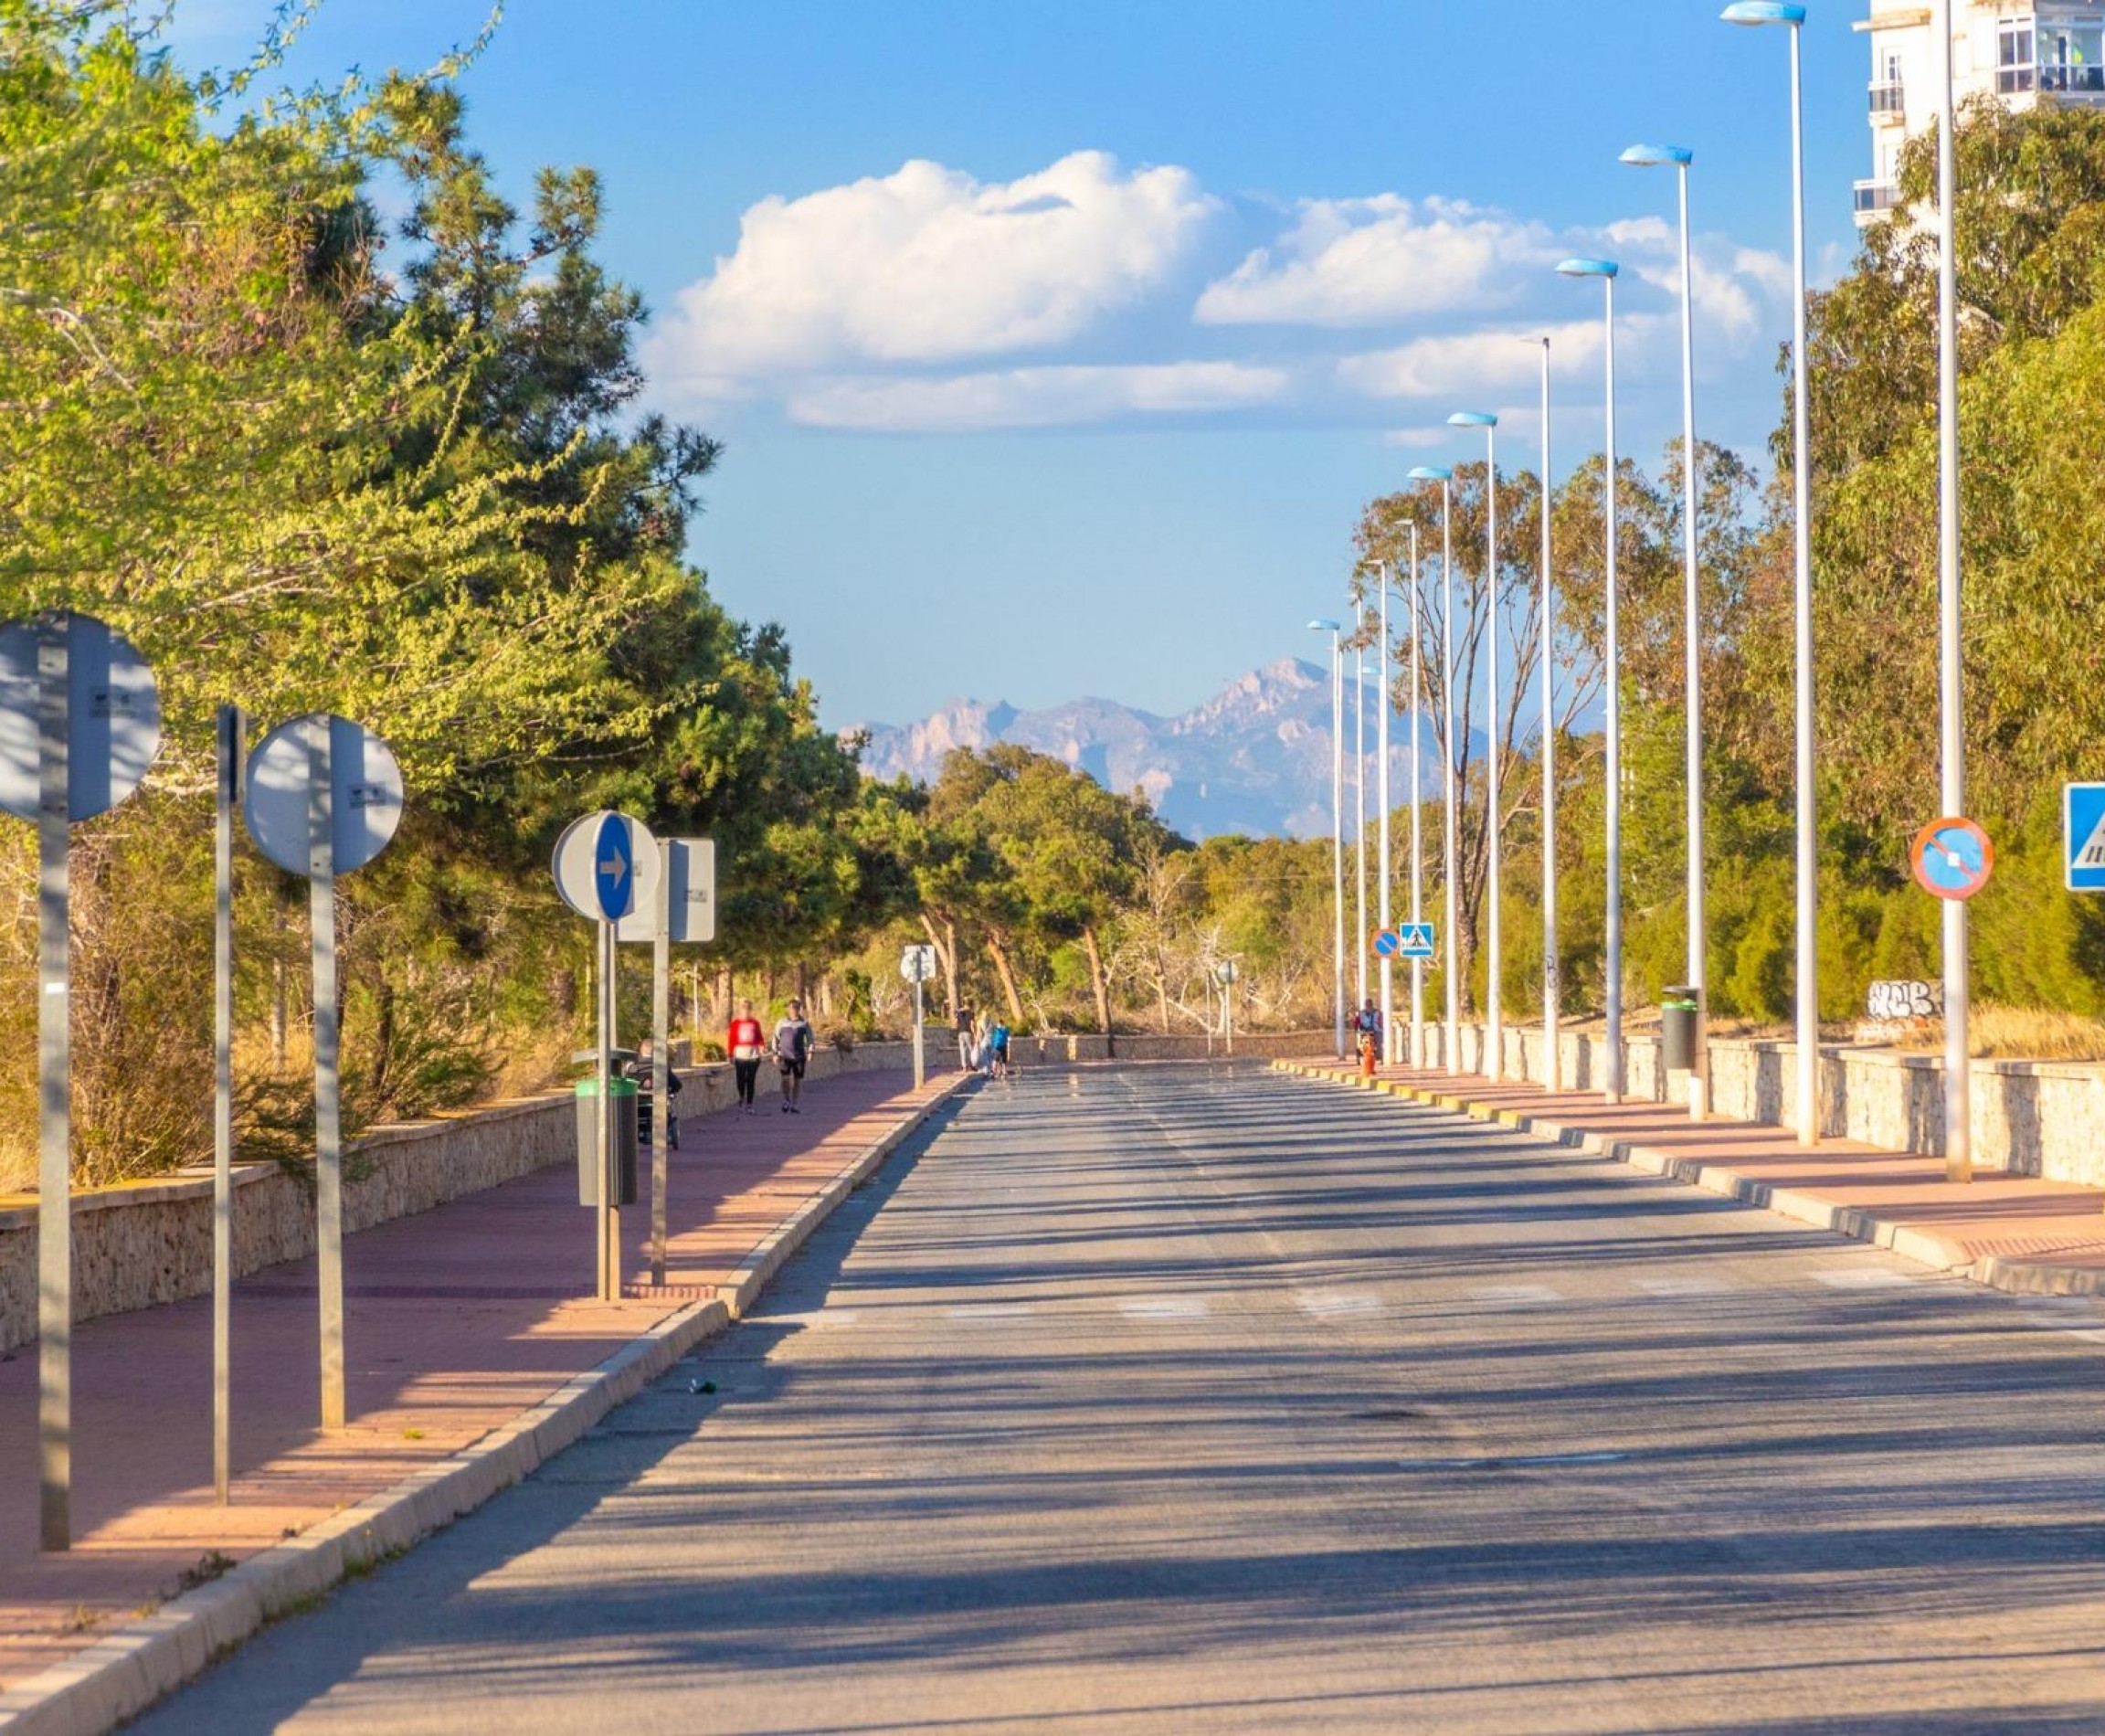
x=1588, y=268
x=1324, y=624
x=1762, y=12
x=1472, y=418
x=1431, y=473
x=1657, y=157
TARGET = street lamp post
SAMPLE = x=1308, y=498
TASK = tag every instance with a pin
x=1494, y=879
x=1381, y=676
x=1952, y=722
x=1679, y=158
x=1324, y=625
x=1763, y=12
x=1417, y=820
x=1445, y=478
x=1552, y=988
x=1613, y=1083
x=1359, y=802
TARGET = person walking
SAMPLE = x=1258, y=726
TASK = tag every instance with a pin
x=962, y=1020
x=998, y=1051
x=792, y=1050
x=746, y=1044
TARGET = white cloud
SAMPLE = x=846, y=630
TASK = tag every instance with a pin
x=929, y=265
x=1369, y=261
x=1469, y=363
x=1035, y=396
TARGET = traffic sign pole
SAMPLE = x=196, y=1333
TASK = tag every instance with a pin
x=230, y=745
x=1958, y=1056
x=608, y=1216
x=660, y=1063
x=54, y=1120
x=920, y=1038
x=323, y=797
x=328, y=1076
x=79, y=724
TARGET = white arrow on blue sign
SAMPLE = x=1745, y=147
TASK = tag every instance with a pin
x=2083, y=816
x=1419, y=941
x=606, y=866
x=614, y=869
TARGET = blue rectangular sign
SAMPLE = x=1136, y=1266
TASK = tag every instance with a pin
x=2083, y=815
x=1418, y=938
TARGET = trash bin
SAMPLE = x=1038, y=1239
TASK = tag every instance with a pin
x=621, y=1098
x=1681, y=1026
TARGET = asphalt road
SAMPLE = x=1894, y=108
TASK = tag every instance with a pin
x=1177, y=1400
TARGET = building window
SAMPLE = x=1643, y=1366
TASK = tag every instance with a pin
x=2014, y=57
x=2072, y=58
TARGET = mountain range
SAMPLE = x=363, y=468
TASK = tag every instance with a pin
x=1255, y=758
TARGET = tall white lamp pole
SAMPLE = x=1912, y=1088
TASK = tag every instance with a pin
x=1552, y=987
x=1336, y=822
x=1613, y=1083
x=1679, y=158
x=1383, y=679
x=1451, y=952
x=1417, y=818
x=1360, y=800
x=1494, y=879
x=1761, y=12
x=1951, y=731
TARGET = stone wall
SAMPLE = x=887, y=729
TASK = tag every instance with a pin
x=145, y=1242
x=2031, y=1118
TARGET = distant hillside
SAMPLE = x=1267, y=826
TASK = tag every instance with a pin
x=1255, y=758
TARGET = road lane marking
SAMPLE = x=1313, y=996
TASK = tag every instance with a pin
x=1326, y=1304
x=813, y=1316
x=1870, y=1278
x=1684, y=1286
x=1518, y=1462
x=1165, y=1308
x=986, y=1311
x=1516, y=1295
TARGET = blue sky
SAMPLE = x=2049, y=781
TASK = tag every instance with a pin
x=1057, y=347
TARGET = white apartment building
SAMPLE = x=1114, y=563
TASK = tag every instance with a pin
x=2020, y=51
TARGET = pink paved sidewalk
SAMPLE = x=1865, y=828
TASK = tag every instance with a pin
x=457, y=1320
x=2015, y=1232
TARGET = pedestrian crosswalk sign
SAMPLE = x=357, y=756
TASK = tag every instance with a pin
x=1418, y=941
x=2083, y=809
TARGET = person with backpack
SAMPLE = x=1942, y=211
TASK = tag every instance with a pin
x=746, y=1044
x=1367, y=1036
x=998, y=1051
x=793, y=1042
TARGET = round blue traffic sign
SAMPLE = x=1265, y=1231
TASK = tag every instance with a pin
x=1952, y=858
x=614, y=868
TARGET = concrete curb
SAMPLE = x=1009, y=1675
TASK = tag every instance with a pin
x=1925, y=1247
x=126, y=1671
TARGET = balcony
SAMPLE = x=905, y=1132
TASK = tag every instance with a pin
x=1874, y=199
x=1889, y=102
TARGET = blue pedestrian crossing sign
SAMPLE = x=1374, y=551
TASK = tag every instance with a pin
x=2083, y=811
x=1418, y=939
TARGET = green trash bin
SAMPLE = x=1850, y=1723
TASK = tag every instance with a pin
x=1680, y=1026
x=621, y=1098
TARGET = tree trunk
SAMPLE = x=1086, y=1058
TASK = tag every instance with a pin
x=946, y=944
x=1096, y=979
x=1006, y=970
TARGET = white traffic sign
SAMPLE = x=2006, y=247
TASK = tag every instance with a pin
x=112, y=714
x=608, y=859
x=917, y=964
x=1228, y=971
x=2083, y=820
x=690, y=907
x=1417, y=940
x=364, y=793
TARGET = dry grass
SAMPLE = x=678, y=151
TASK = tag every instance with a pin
x=2020, y=1033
